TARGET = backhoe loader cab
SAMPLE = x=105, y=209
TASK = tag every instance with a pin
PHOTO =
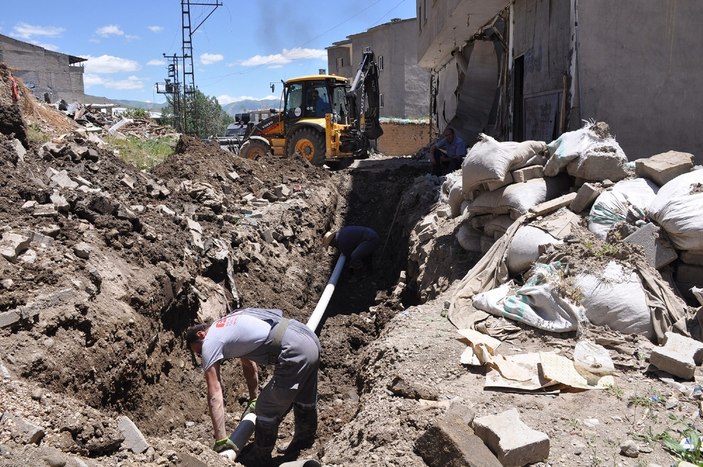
x=323, y=118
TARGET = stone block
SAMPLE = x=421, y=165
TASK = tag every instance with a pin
x=27, y=431
x=527, y=173
x=133, y=438
x=452, y=442
x=552, y=205
x=664, y=167
x=585, y=196
x=659, y=253
x=513, y=442
x=679, y=356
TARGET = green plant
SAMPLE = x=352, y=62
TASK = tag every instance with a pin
x=689, y=449
x=136, y=113
x=36, y=135
x=144, y=154
x=615, y=391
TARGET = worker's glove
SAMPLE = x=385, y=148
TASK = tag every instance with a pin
x=251, y=408
x=224, y=444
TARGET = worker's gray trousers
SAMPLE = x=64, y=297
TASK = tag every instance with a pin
x=294, y=378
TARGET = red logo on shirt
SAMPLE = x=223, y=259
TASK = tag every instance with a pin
x=226, y=321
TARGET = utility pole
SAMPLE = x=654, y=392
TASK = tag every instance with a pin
x=172, y=87
x=183, y=92
x=189, y=88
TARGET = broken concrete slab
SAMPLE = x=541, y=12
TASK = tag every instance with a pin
x=62, y=180
x=513, y=442
x=527, y=173
x=658, y=252
x=552, y=205
x=585, y=196
x=679, y=356
x=664, y=167
x=27, y=431
x=451, y=441
x=134, y=440
x=13, y=244
x=19, y=149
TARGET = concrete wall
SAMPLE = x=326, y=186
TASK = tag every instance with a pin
x=339, y=60
x=640, y=71
x=43, y=71
x=403, y=84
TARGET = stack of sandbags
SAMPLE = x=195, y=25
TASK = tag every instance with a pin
x=500, y=182
x=589, y=154
x=678, y=210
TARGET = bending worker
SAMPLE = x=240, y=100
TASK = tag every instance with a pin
x=355, y=242
x=262, y=336
x=447, y=154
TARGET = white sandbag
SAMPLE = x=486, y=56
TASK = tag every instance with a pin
x=612, y=206
x=524, y=248
x=455, y=199
x=591, y=153
x=616, y=298
x=498, y=225
x=537, y=303
x=469, y=238
x=450, y=181
x=489, y=160
x=678, y=209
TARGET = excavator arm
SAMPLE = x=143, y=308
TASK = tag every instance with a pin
x=365, y=87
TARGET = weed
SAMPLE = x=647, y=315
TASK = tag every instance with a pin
x=689, y=450
x=615, y=391
x=143, y=154
x=36, y=135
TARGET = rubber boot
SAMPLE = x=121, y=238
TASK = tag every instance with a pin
x=259, y=455
x=305, y=421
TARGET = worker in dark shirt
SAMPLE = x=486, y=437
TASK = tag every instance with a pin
x=355, y=242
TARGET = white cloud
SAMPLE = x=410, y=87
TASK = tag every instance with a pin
x=131, y=37
x=156, y=62
x=155, y=28
x=26, y=31
x=109, y=64
x=208, y=59
x=109, y=30
x=130, y=84
x=285, y=57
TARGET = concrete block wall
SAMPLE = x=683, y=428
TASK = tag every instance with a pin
x=402, y=139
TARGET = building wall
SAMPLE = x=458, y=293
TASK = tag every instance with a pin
x=339, y=59
x=403, y=139
x=403, y=84
x=542, y=41
x=640, y=71
x=42, y=70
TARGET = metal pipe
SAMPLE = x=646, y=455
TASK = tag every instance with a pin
x=245, y=429
x=319, y=310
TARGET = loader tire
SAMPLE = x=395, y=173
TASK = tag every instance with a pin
x=310, y=144
x=254, y=149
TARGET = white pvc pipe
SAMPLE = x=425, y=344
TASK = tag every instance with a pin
x=245, y=429
x=319, y=310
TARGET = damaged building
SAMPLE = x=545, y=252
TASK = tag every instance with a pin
x=50, y=76
x=534, y=69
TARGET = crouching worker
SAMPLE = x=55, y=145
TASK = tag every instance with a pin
x=258, y=337
x=355, y=242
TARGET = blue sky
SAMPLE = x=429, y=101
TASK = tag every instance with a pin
x=242, y=47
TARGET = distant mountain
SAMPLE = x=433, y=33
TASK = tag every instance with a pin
x=152, y=106
x=251, y=104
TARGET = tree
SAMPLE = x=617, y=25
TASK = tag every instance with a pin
x=204, y=116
